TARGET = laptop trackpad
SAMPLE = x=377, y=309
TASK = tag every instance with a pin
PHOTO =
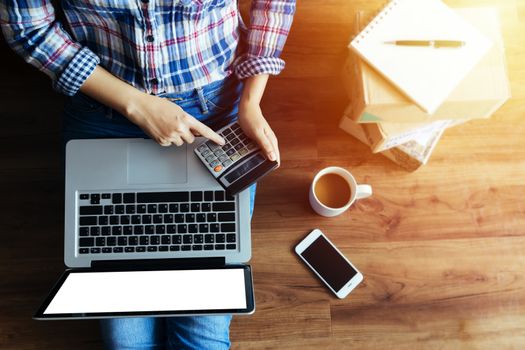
x=149, y=163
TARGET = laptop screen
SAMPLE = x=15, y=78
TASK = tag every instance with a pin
x=121, y=293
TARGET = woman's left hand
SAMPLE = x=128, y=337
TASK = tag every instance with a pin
x=257, y=128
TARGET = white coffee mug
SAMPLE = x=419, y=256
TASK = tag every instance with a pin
x=357, y=192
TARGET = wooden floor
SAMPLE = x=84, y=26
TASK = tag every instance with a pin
x=442, y=249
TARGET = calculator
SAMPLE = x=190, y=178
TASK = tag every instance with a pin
x=237, y=164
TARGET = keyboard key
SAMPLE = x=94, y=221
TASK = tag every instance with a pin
x=204, y=228
x=186, y=247
x=208, y=247
x=157, y=219
x=171, y=229
x=168, y=218
x=138, y=230
x=209, y=238
x=108, y=209
x=111, y=241
x=94, y=231
x=195, y=207
x=152, y=208
x=208, y=196
x=163, y=197
x=119, y=209
x=219, y=196
x=106, y=195
x=214, y=228
x=106, y=231
x=149, y=229
x=125, y=220
x=184, y=208
x=86, y=242
x=106, y=250
x=163, y=248
x=160, y=229
x=90, y=210
x=127, y=230
x=230, y=246
x=179, y=218
x=134, y=240
x=174, y=248
x=227, y=227
x=212, y=217
x=136, y=219
x=95, y=198
x=230, y=198
x=144, y=240
x=129, y=249
x=193, y=228
x=235, y=157
x=141, y=208
x=206, y=207
x=154, y=240
x=196, y=196
x=174, y=208
x=190, y=218
x=84, y=196
x=114, y=220
x=198, y=238
x=100, y=241
x=196, y=247
x=130, y=209
x=239, y=147
x=187, y=239
x=117, y=198
x=116, y=230
x=182, y=228
x=146, y=219
x=231, y=238
x=87, y=220
x=219, y=247
x=95, y=251
x=227, y=162
x=226, y=217
x=129, y=198
x=83, y=231
x=152, y=249
x=227, y=206
x=163, y=208
x=122, y=240
x=166, y=240
x=201, y=217
x=103, y=220
x=219, y=238
x=176, y=239
x=230, y=152
x=118, y=250
x=140, y=249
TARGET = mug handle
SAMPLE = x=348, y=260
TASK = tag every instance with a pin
x=363, y=191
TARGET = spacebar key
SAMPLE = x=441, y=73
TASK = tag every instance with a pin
x=162, y=197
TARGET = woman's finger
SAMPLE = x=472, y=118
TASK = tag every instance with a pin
x=267, y=146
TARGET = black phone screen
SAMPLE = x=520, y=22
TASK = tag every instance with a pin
x=329, y=263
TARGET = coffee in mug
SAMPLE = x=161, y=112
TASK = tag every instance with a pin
x=334, y=190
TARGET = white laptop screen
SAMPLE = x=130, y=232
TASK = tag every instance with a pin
x=150, y=291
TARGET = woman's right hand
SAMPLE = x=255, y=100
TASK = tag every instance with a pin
x=166, y=122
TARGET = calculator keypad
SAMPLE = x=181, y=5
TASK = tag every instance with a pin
x=219, y=158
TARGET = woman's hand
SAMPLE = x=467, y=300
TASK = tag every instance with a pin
x=167, y=123
x=252, y=120
x=257, y=128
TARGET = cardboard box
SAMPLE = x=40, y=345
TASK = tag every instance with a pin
x=478, y=96
x=410, y=155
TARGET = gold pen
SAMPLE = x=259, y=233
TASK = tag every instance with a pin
x=428, y=43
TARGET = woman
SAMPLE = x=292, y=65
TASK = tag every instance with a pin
x=167, y=69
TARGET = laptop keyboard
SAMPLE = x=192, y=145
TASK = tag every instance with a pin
x=138, y=222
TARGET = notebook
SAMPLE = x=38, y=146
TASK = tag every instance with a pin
x=426, y=75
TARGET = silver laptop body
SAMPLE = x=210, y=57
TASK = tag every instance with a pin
x=107, y=166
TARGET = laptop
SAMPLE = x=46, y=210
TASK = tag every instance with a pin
x=149, y=232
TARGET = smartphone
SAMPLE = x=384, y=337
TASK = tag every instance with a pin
x=334, y=269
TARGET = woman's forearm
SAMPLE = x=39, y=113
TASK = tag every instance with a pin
x=253, y=89
x=111, y=91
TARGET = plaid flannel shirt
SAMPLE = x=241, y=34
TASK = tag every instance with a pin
x=155, y=45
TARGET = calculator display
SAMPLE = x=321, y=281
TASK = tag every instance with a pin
x=244, y=168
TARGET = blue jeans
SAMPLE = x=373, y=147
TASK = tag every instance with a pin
x=215, y=105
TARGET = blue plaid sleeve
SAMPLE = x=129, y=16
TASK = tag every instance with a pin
x=270, y=22
x=31, y=31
